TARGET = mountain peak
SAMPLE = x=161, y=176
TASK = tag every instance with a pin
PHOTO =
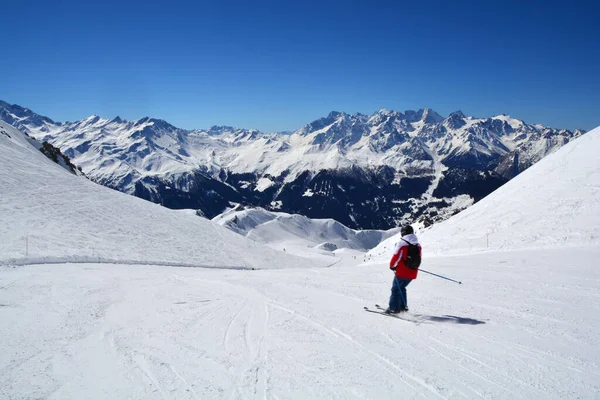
x=457, y=114
x=155, y=121
x=336, y=114
x=24, y=116
x=91, y=118
x=455, y=120
x=219, y=129
x=431, y=117
x=384, y=112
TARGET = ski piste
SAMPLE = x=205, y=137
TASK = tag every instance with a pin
x=405, y=315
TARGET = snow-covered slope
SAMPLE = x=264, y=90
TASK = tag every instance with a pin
x=555, y=203
x=51, y=215
x=51, y=152
x=286, y=230
x=365, y=171
x=522, y=326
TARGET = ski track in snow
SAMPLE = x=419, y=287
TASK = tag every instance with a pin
x=116, y=331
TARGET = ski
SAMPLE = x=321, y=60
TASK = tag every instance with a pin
x=417, y=319
x=378, y=311
x=377, y=306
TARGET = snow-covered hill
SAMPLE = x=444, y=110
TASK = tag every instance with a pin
x=365, y=171
x=52, y=153
x=286, y=230
x=555, y=203
x=50, y=215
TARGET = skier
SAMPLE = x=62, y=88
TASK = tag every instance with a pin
x=405, y=263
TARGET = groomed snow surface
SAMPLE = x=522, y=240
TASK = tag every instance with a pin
x=525, y=324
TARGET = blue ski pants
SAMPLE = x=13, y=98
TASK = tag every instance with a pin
x=398, y=298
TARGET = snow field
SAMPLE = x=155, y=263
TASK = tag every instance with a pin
x=523, y=325
x=279, y=230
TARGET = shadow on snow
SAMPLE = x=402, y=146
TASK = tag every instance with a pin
x=452, y=319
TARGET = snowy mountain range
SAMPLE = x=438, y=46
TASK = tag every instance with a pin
x=365, y=171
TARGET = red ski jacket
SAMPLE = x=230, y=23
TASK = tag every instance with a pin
x=397, y=261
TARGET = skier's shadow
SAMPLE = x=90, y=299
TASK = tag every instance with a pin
x=452, y=319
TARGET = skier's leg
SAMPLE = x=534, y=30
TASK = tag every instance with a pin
x=403, y=296
x=394, y=297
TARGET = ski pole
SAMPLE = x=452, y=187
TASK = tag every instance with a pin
x=440, y=276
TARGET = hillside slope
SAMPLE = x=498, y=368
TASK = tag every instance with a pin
x=48, y=214
x=555, y=203
x=282, y=229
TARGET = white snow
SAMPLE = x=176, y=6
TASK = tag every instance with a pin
x=554, y=203
x=522, y=326
x=525, y=324
x=286, y=231
x=51, y=215
x=513, y=122
x=263, y=184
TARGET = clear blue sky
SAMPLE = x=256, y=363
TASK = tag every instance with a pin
x=280, y=64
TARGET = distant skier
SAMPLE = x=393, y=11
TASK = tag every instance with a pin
x=405, y=262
